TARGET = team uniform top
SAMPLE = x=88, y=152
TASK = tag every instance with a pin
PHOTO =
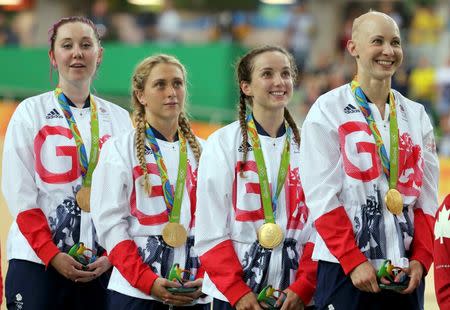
x=442, y=254
x=129, y=222
x=41, y=175
x=345, y=185
x=230, y=212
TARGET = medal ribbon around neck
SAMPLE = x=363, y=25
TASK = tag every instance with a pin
x=173, y=201
x=390, y=167
x=269, y=203
x=86, y=167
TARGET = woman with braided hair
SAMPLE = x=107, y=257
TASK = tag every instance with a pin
x=252, y=223
x=143, y=197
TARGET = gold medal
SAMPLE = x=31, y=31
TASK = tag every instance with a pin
x=84, y=199
x=270, y=235
x=394, y=201
x=174, y=234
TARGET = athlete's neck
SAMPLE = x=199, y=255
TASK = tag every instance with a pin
x=76, y=92
x=376, y=91
x=168, y=128
x=270, y=120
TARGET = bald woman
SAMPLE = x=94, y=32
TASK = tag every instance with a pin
x=370, y=172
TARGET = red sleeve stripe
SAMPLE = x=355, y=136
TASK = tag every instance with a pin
x=200, y=273
x=224, y=269
x=336, y=230
x=422, y=244
x=34, y=227
x=125, y=257
x=306, y=277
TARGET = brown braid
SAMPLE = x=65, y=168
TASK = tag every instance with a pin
x=243, y=125
x=293, y=125
x=244, y=70
x=140, y=148
x=185, y=128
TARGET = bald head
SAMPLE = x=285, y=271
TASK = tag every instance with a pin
x=376, y=46
x=366, y=22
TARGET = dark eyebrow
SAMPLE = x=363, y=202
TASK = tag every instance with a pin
x=271, y=69
x=71, y=39
x=266, y=68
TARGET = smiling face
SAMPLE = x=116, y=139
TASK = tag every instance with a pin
x=376, y=45
x=76, y=53
x=271, y=82
x=164, y=93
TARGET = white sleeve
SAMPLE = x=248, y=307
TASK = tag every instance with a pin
x=18, y=175
x=320, y=163
x=214, y=200
x=111, y=183
x=428, y=199
x=126, y=122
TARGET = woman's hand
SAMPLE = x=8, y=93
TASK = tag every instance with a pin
x=291, y=302
x=98, y=267
x=415, y=272
x=67, y=266
x=248, y=302
x=197, y=284
x=159, y=291
x=364, y=278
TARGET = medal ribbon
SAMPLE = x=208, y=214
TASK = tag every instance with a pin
x=173, y=202
x=87, y=168
x=390, y=168
x=269, y=203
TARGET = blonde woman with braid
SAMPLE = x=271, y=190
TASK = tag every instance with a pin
x=143, y=197
x=252, y=223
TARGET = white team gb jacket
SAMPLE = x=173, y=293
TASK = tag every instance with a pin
x=345, y=185
x=41, y=175
x=129, y=222
x=229, y=213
